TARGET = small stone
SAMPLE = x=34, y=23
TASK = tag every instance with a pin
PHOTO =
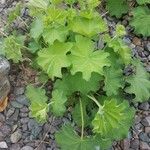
x=22, y=100
x=144, y=146
x=125, y=144
x=16, y=136
x=14, y=117
x=24, y=109
x=137, y=119
x=3, y=144
x=5, y=130
x=34, y=128
x=24, y=127
x=148, y=46
x=10, y=112
x=146, y=121
x=1, y=136
x=147, y=129
x=42, y=146
x=2, y=118
x=137, y=41
x=127, y=40
x=14, y=127
x=15, y=104
x=135, y=144
x=144, y=137
x=23, y=115
x=27, y=148
x=19, y=90
x=24, y=120
x=15, y=147
x=144, y=106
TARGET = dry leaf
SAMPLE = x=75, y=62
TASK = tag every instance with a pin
x=3, y=104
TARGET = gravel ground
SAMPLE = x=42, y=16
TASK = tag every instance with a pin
x=18, y=131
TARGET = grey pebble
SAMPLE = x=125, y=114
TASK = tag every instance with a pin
x=22, y=100
x=15, y=147
x=144, y=137
x=5, y=129
x=19, y=90
x=24, y=120
x=2, y=118
x=10, y=112
x=135, y=144
x=144, y=146
x=148, y=46
x=146, y=121
x=23, y=115
x=15, y=104
x=27, y=148
x=16, y=136
x=24, y=109
x=14, y=117
x=144, y=106
x=3, y=144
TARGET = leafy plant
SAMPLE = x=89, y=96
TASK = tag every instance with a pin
x=141, y=20
x=117, y=7
x=62, y=44
x=141, y=14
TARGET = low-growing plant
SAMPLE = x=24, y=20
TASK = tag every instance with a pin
x=88, y=81
x=141, y=14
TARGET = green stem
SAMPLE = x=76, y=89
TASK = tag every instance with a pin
x=96, y=102
x=82, y=120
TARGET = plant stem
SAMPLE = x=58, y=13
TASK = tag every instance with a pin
x=82, y=119
x=95, y=100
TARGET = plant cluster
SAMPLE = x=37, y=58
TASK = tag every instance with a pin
x=141, y=14
x=89, y=82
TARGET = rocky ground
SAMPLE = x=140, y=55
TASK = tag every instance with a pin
x=18, y=131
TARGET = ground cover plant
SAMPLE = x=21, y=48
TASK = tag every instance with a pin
x=88, y=81
x=139, y=9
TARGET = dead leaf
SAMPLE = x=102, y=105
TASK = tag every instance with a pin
x=3, y=104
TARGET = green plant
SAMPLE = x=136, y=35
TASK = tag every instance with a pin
x=141, y=14
x=62, y=43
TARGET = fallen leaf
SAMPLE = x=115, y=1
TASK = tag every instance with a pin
x=3, y=104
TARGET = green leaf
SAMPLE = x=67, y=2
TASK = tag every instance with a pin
x=76, y=114
x=38, y=4
x=71, y=2
x=141, y=20
x=36, y=28
x=14, y=13
x=121, y=48
x=120, y=30
x=117, y=7
x=74, y=83
x=140, y=2
x=53, y=58
x=2, y=50
x=55, y=15
x=73, y=141
x=38, y=99
x=84, y=59
x=58, y=102
x=113, y=117
x=139, y=83
x=33, y=47
x=88, y=27
x=93, y=3
x=12, y=47
x=51, y=34
x=113, y=80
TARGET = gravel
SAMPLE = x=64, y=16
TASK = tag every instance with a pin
x=3, y=144
x=18, y=131
x=16, y=136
